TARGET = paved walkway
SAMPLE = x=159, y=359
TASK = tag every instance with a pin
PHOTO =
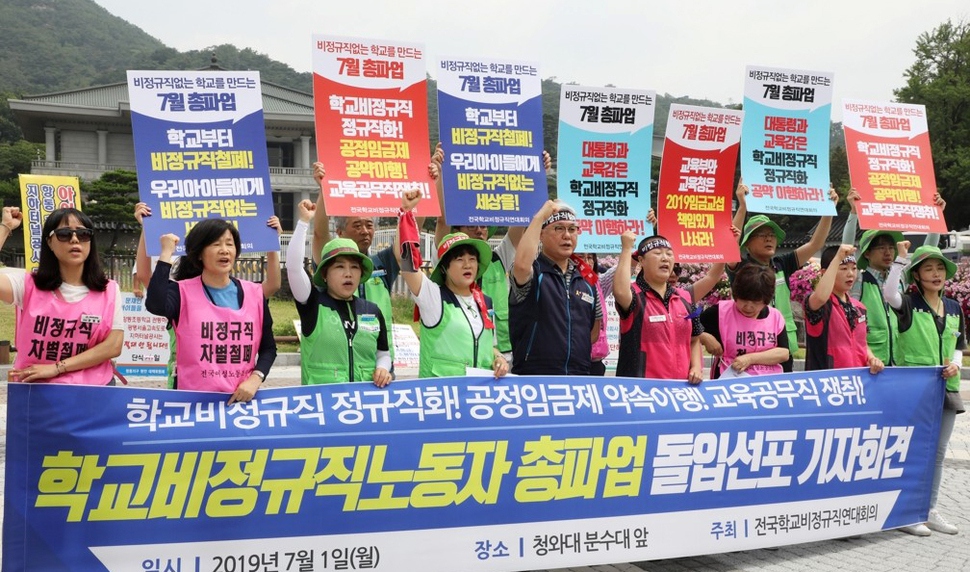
x=889, y=551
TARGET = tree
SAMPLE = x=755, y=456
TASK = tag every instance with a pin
x=112, y=198
x=940, y=80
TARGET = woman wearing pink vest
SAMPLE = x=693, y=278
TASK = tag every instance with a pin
x=70, y=323
x=746, y=335
x=659, y=331
x=223, y=328
x=835, y=323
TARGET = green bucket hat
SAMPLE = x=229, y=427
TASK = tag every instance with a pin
x=342, y=247
x=866, y=240
x=925, y=253
x=756, y=222
x=455, y=240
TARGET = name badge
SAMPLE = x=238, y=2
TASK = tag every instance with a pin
x=586, y=297
x=368, y=323
x=378, y=273
x=658, y=318
x=89, y=319
x=779, y=280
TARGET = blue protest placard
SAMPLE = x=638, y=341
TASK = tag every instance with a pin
x=490, y=121
x=200, y=152
x=605, y=153
x=785, y=141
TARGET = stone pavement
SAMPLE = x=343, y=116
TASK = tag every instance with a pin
x=888, y=551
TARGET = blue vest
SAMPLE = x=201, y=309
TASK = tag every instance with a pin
x=551, y=328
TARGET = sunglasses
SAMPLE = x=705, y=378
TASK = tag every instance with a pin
x=65, y=234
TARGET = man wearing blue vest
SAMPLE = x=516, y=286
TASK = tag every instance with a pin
x=554, y=314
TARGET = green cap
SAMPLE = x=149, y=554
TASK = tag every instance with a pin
x=342, y=247
x=756, y=222
x=454, y=240
x=925, y=253
x=871, y=235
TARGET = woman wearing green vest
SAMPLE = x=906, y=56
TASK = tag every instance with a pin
x=457, y=320
x=344, y=336
x=931, y=333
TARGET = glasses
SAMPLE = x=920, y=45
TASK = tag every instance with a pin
x=65, y=234
x=763, y=235
x=561, y=230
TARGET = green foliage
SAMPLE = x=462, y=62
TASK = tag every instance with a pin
x=15, y=158
x=111, y=198
x=10, y=193
x=67, y=44
x=940, y=80
x=9, y=130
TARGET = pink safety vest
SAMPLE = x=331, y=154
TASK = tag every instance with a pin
x=217, y=346
x=665, y=336
x=743, y=335
x=52, y=329
x=848, y=347
x=601, y=347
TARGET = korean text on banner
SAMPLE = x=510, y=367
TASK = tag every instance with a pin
x=891, y=166
x=604, y=158
x=41, y=195
x=490, y=121
x=462, y=473
x=785, y=141
x=370, y=100
x=696, y=182
x=200, y=151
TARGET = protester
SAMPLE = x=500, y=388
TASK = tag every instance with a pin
x=145, y=266
x=659, y=329
x=554, y=317
x=932, y=332
x=601, y=347
x=495, y=281
x=344, y=336
x=457, y=320
x=223, y=326
x=71, y=324
x=377, y=288
x=761, y=238
x=745, y=334
x=835, y=323
x=878, y=249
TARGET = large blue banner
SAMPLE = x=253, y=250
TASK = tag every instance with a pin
x=200, y=152
x=490, y=121
x=461, y=473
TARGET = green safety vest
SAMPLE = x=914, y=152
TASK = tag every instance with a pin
x=495, y=285
x=922, y=344
x=375, y=291
x=450, y=345
x=883, y=325
x=327, y=355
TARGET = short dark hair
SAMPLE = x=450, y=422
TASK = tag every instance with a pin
x=755, y=283
x=457, y=251
x=48, y=275
x=200, y=236
x=828, y=255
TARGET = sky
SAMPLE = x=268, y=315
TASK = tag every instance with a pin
x=695, y=48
